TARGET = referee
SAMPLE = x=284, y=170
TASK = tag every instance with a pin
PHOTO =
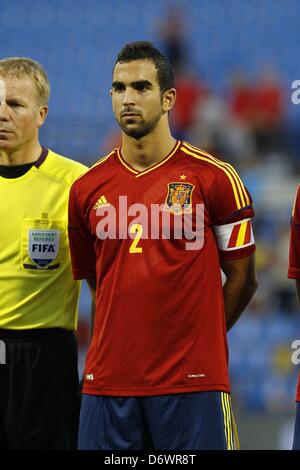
x=38, y=298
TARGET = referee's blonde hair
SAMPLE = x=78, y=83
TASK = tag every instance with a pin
x=23, y=66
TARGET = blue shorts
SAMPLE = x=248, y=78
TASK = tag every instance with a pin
x=296, y=441
x=189, y=421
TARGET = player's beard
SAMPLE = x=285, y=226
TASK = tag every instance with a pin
x=142, y=129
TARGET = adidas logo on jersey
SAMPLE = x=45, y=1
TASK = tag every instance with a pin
x=102, y=202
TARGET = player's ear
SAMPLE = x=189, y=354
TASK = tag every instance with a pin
x=110, y=92
x=42, y=114
x=168, y=99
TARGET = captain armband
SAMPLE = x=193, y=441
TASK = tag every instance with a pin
x=234, y=236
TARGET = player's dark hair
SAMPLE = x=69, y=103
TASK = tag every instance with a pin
x=140, y=50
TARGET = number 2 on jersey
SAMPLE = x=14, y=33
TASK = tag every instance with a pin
x=138, y=230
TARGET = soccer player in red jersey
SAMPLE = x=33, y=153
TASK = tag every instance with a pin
x=150, y=227
x=294, y=273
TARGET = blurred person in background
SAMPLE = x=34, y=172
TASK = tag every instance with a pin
x=171, y=31
x=259, y=107
x=218, y=131
x=38, y=301
x=190, y=91
x=159, y=346
x=269, y=112
x=242, y=100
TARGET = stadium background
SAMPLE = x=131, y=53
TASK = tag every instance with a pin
x=235, y=61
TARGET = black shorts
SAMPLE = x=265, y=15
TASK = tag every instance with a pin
x=39, y=406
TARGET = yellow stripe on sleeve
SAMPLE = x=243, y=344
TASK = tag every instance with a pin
x=242, y=190
x=233, y=184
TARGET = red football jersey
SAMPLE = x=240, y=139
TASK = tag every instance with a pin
x=294, y=256
x=160, y=323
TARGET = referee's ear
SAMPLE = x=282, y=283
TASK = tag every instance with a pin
x=42, y=114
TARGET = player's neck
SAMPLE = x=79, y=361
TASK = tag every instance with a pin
x=28, y=154
x=149, y=150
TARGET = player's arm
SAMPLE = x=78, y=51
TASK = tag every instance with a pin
x=231, y=212
x=239, y=287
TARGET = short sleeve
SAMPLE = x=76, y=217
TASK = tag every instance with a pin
x=231, y=212
x=294, y=252
x=81, y=240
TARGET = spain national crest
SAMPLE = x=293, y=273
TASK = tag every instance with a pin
x=179, y=198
